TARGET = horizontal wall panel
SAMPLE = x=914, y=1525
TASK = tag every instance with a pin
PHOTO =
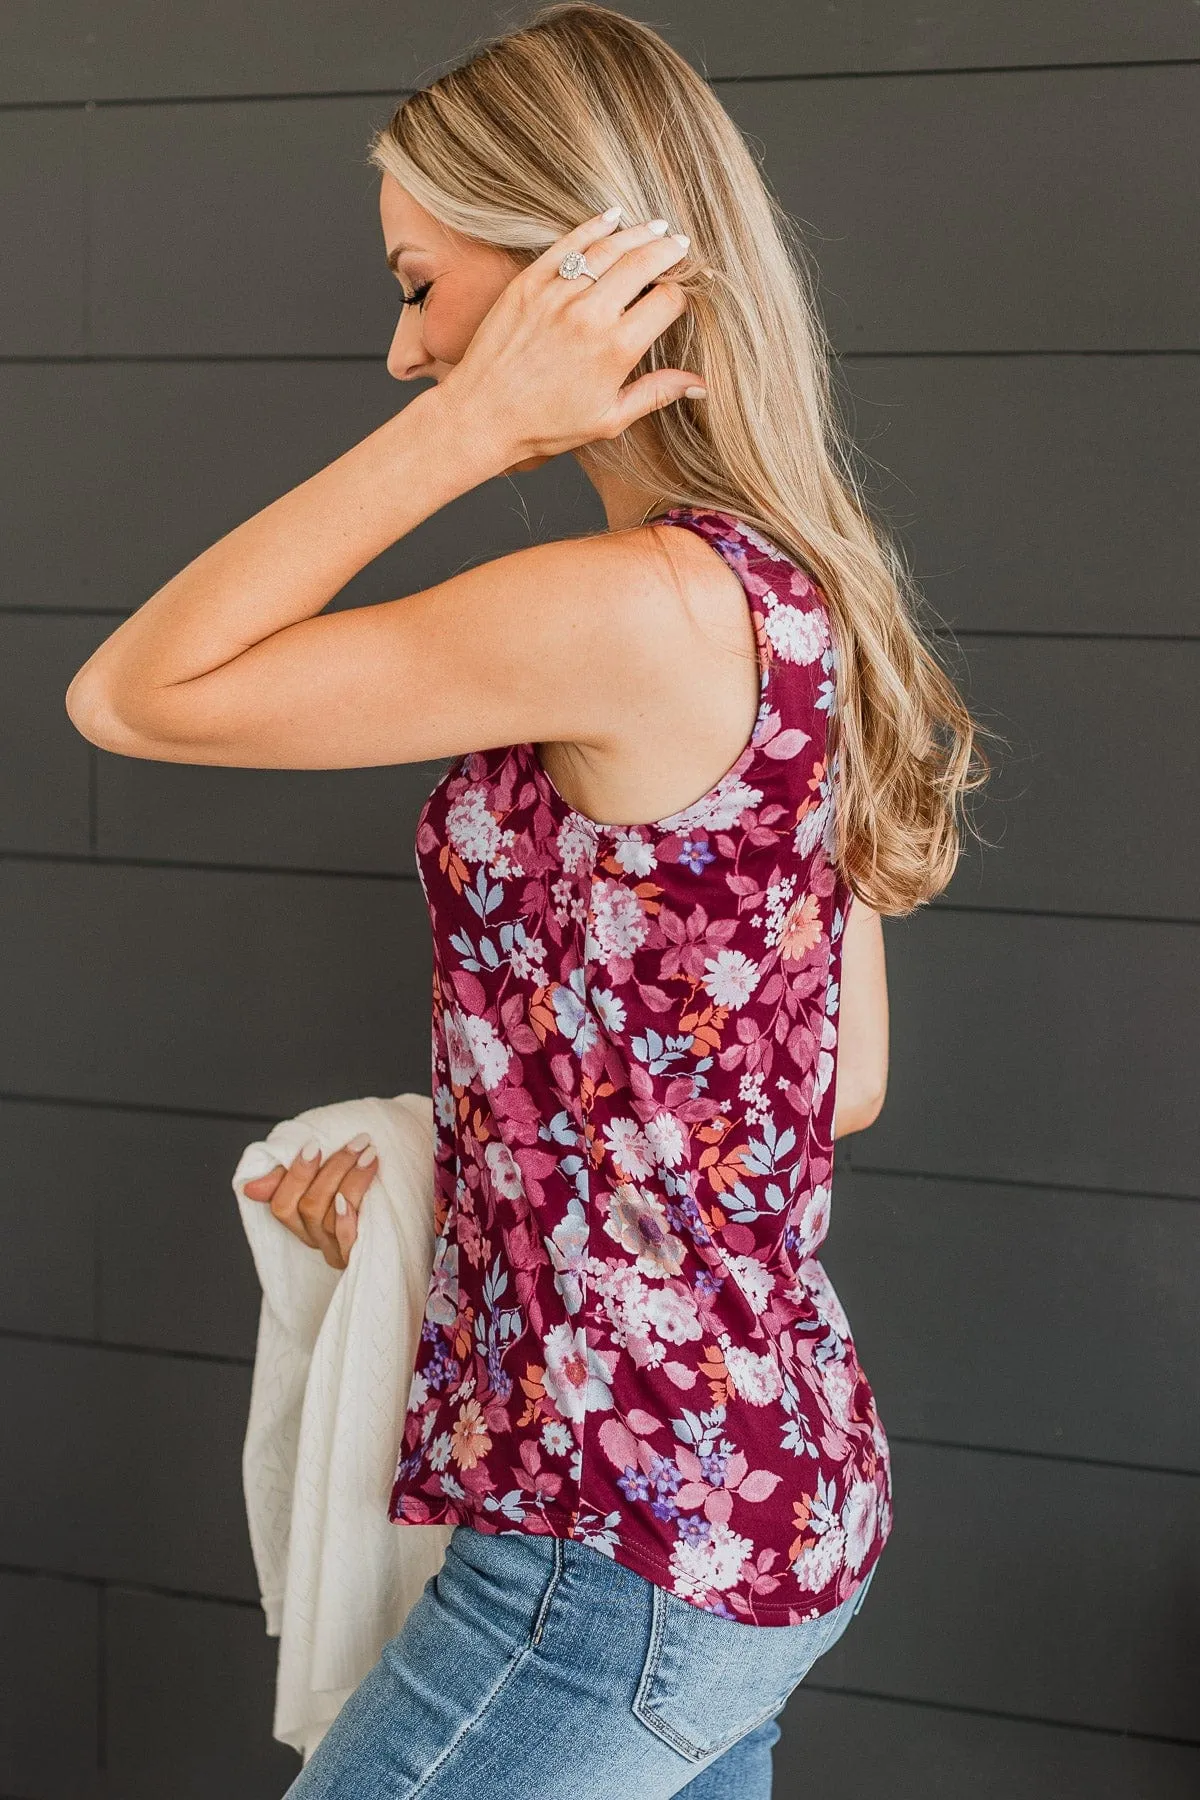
x=861, y=1746
x=43, y=224
x=248, y=228
x=1055, y=215
x=44, y=802
x=129, y=1227
x=1038, y=493
x=1023, y=211
x=1041, y=1050
x=135, y=1461
x=1049, y=1590
x=117, y=52
x=1097, y=771
x=49, y=1639
x=1024, y=1318
x=191, y=1700
x=183, y=470
x=360, y=820
x=201, y=990
x=47, y=1207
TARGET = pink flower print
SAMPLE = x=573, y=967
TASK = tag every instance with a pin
x=638, y=1222
x=814, y=1221
x=801, y=928
x=470, y=827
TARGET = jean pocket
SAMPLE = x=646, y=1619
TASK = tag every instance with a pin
x=708, y=1680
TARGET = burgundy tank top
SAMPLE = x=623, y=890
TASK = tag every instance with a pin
x=629, y=1339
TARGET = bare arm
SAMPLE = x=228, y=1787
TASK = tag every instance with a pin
x=862, y=1061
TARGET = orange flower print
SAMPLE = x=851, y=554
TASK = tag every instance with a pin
x=801, y=928
x=469, y=1441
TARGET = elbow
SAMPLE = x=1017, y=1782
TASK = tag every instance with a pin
x=93, y=713
x=855, y=1111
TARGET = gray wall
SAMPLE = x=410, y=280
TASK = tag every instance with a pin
x=193, y=317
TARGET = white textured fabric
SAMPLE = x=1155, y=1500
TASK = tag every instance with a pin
x=332, y=1371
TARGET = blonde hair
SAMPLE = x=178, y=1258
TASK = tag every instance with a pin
x=546, y=126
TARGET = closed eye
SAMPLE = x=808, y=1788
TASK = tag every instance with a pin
x=417, y=297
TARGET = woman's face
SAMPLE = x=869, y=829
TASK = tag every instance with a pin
x=462, y=278
x=456, y=280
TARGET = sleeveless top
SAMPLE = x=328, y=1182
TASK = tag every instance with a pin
x=629, y=1339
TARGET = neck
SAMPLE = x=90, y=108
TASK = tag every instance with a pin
x=626, y=503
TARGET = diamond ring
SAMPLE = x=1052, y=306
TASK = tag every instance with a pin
x=574, y=264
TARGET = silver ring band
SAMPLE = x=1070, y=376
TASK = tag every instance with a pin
x=574, y=264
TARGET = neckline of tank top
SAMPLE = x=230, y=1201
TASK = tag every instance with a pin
x=671, y=820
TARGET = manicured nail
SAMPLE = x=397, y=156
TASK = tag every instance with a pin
x=681, y=239
x=310, y=1151
x=359, y=1141
x=657, y=226
x=368, y=1156
x=339, y=1204
x=695, y=393
x=612, y=215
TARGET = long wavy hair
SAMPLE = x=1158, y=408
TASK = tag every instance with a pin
x=549, y=124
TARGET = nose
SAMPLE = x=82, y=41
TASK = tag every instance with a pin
x=406, y=358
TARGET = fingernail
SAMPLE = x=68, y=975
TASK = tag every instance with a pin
x=681, y=239
x=695, y=393
x=359, y=1141
x=339, y=1204
x=658, y=226
x=368, y=1156
x=310, y=1150
x=612, y=215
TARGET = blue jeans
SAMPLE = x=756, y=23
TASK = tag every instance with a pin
x=537, y=1668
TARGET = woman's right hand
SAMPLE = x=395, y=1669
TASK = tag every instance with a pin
x=305, y=1194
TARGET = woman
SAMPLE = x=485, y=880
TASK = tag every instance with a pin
x=636, y=1396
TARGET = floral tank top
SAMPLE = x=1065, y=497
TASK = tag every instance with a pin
x=629, y=1339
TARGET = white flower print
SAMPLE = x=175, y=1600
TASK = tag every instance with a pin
x=504, y=1169
x=556, y=1438
x=617, y=924
x=714, y=1562
x=754, y=1278
x=665, y=1136
x=439, y=1451
x=672, y=1314
x=858, y=1521
x=813, y=1280
x=577, y=843
x=812, y=828
x=816, y=1566
x=730, y=977
x=755, y=1378
x=492, y=1055
x=718, y=811
x=610, y=1010
x=577, y=1378
x=635, y=854
x=814, y=1222
x=459, y=1054
x=797, y=636
x=838, y=1382
x=628, y=1148
x=418, y=1393
x=442, y=1302
x=470, y=827
x=567, y=1247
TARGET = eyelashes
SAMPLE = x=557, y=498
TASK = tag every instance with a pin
x=417, y=297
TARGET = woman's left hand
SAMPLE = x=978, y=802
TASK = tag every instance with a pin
x=546, y=368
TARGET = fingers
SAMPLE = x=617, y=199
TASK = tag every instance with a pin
x=263, y=1186
x=303, y=1192
x=314, y=1209
x=632, y=269
x=590, y=232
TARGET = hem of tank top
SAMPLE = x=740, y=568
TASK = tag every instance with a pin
x=643, y=1563
x=669, y=824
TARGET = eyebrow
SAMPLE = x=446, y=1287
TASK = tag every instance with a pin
x=398, y=251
